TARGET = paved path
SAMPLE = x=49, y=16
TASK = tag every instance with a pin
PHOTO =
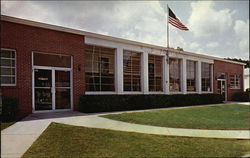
x=16, y=139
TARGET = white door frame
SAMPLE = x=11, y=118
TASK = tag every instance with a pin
x=225, y=87
x=53, y=69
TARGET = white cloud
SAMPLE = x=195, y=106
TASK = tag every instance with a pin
x=142, y=21
x=139, y=20
x=176, y=40
x=212, y=45
x=241, y=29
x=194, y=45
x=206, y=21
x=25, y=9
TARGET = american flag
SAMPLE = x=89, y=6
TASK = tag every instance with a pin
x=173, y=20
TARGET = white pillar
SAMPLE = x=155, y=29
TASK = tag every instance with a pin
x=198, y=76
x=166, y=75
x=119, y=70
x=144, y=68
x=212, y=78
x=184, y=75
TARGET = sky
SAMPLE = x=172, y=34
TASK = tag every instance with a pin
x=218, y=28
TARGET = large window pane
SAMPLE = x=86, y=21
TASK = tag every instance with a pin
x=62, y=78
x=191, y=75
x=99, y=68
x=131, y=71
x=7, y=67
x=7, y=54
x=174, y=75
x=7, y=71
x=155, y=73
x=53, y=60
x=7, y=80
x=7, y=62
x=205, y=77
x=235, y=81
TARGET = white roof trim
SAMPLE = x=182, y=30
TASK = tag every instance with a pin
x=105, y=37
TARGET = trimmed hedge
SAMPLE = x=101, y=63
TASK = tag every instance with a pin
x=242, y=96
x=9, y=108
x=105, y=103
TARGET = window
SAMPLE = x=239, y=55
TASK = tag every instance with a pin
x=221, y=75
x=54, y=60
x=99, y=68
x=235, y=81
x=131, y=71
x=174, y=75
x=206, y=77
x=155, y=73
x=8, y=67
x=191, y=75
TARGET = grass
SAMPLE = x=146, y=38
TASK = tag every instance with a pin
x=66, y=141
x=6, y=124
x=233, y=116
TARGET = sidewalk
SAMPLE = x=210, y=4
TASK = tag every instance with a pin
x=19, y=137
x=16, y=139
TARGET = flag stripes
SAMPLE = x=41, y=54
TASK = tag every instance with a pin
x=173, y=20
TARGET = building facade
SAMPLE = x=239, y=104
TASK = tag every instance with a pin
x=48, y=67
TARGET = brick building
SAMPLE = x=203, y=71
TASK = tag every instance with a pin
x=48, y=67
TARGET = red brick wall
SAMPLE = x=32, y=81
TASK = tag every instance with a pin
x=25, y=39
x=228, y=69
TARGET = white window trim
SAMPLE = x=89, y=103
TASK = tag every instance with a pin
x=162, y=67
x=99, y=92
x=181, y=77
x=176, y=92
x=211, y=79
x=141, y=71
x=13, y=84
x=115, y=73
x=196, y=74
x=52, y=69
x=234, y=85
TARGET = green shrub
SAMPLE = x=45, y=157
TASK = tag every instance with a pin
x=9, y=108
x=104, y=103
x=242, y=96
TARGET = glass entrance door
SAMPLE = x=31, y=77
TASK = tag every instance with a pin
x=52, y=89
x=222, y=88
x=62, y=89
x=43, y=89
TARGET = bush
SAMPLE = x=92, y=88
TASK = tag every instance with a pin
x=9, y=108
x=242, y=96
x=105, y=103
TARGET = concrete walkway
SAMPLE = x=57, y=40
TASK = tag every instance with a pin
x=16, y=139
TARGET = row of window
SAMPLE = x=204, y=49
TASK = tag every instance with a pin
x=100, y=68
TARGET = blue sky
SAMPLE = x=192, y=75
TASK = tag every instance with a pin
x=219, y=28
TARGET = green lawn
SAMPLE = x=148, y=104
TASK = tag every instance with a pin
x=6, y=124
x=233, y=116
x=65, y=141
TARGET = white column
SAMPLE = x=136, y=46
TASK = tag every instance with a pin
x=119, y=70
x=184, y=75
x=212, y=78
x=198, y=76
x=144, y=68
x=166, y=75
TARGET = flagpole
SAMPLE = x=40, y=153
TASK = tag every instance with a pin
x=167, y=60
x=167, y=27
